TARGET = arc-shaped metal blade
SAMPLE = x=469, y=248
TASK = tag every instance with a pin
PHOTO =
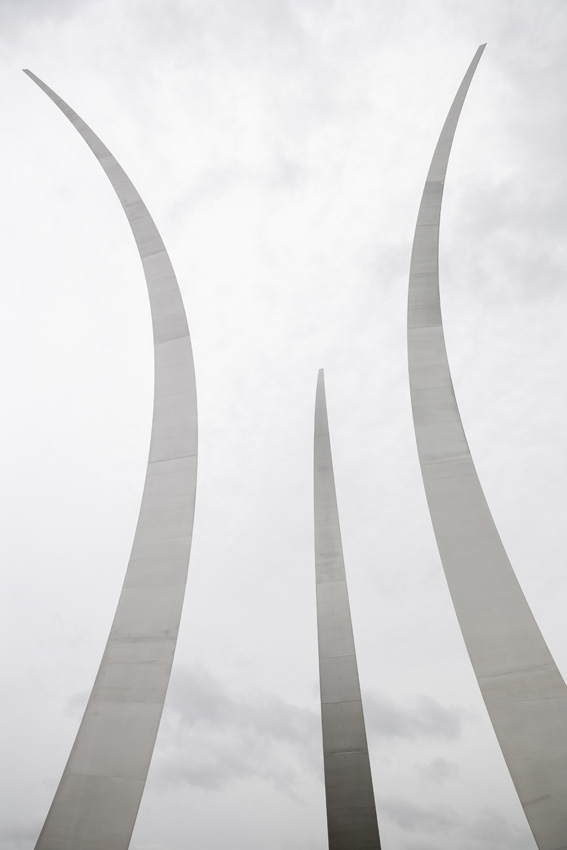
x=523, y=690
x=97, y=801
x=351, y=810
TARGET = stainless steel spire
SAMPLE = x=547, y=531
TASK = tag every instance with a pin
x=97, y=801
x=523, y=690
x=351, y=810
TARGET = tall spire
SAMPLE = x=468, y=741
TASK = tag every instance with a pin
x=523, y=690
x=98, y=797
x=351, y=810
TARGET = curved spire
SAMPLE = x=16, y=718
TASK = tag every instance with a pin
x=523, y=690
x=97, y=801
x=351, y=810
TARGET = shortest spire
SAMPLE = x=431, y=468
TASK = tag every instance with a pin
x=351, y=811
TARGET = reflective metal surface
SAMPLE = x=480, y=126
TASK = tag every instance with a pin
x=523, y=690
x=97, y=800
x=351, y=810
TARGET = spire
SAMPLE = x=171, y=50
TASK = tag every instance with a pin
x=351, y=810
x=98, y=797
x=523, y=690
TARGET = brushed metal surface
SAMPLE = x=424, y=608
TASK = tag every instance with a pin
x=97, y=801
x=351, y=810
x=523, y=690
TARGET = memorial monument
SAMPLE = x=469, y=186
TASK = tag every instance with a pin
x=97, y=800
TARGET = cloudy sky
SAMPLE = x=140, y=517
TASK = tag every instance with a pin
x=282, y=147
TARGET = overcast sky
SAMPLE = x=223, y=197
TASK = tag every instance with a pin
x=281, y=147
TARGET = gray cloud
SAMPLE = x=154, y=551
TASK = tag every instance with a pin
x=412, y=818
x=198, y=698
x=425, y=718
x=210, y=737
x=438, y=771
x=490, y=831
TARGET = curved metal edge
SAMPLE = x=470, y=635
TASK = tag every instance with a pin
x=523, y=690
x=351, y=809
x=97, y=801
